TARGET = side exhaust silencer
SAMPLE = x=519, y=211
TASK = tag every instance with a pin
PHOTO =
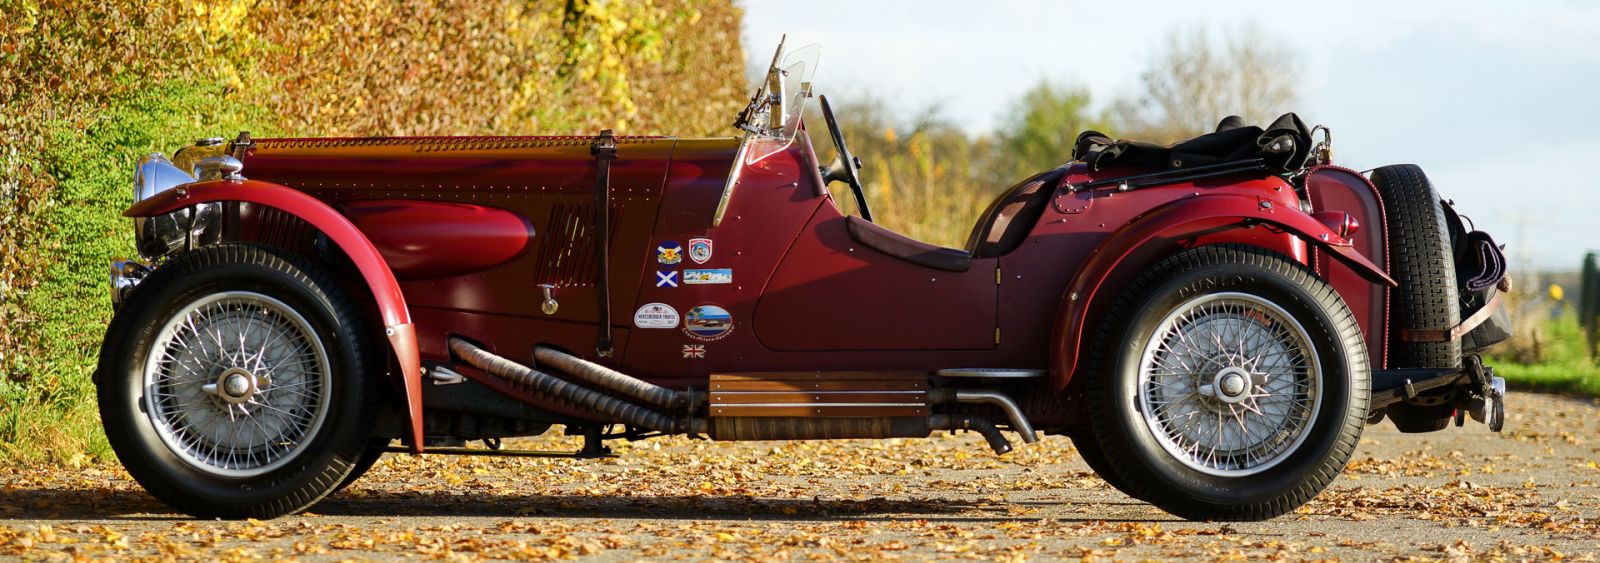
x=605, y=405
x=730, y=428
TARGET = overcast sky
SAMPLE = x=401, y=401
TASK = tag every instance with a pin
x=1496, y=100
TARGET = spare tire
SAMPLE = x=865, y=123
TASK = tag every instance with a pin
x=1421, y=259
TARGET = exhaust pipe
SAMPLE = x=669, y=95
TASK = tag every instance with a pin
x=724, y=428
x=596, y=374
x=606, y=405
x=1019, y=422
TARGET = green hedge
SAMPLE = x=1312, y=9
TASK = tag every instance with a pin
x=86, y=88
x=53, y=415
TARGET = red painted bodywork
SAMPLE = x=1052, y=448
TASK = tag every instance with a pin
x=1333, y=187
x=445, y=213
x=428, y=239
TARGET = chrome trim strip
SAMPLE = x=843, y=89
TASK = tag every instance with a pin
x=733, y=178
x=809, y=405
x=991, y=373
x=820, y=392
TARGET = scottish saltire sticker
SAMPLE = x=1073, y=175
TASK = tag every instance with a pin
x=667, y=278
x=700, y=250
x=694, y=351
x=707, y=322
x=669, y=253
x=656, y=315
x=713, y=276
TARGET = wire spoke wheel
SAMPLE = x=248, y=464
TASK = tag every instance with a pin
x=237, y=384
x=236, y=381
x=1228, y=384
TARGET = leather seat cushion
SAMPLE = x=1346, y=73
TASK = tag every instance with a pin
x=906, y=248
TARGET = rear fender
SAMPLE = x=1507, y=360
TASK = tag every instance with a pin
x=1200, y=218
x=374, y=271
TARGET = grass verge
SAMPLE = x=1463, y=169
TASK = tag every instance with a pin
x=1566, y=366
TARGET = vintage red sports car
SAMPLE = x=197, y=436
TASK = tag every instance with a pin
x=1211, y=322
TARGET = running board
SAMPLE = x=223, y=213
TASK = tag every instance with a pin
x=499, y=453
x=821, y=394
x=854, y=394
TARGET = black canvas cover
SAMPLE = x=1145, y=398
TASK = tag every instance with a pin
x=1283, y=146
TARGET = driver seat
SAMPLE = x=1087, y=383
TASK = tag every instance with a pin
x=1000, y=229
x=1005, y=224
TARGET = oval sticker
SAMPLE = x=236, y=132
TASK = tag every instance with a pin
x=656, y=315
x=708, y=322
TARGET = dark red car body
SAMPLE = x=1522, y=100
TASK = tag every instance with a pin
x=453, y=236
x=1210, y=322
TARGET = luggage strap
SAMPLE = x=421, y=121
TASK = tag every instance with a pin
x=604, y=150
x=1466, y=326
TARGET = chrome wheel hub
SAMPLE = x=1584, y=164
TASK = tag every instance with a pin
x=1228, y=384
x=237, y=384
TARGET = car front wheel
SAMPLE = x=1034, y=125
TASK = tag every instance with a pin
x=1234, y=385
x=234, y=383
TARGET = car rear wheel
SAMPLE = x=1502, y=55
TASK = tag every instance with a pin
x=1232, y=385
x=1422, y=261
x=234, y=383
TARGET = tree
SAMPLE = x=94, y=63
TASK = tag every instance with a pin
x=1194, y=81
x=1039, y=129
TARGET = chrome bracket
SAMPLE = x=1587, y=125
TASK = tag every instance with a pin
x=550, y=305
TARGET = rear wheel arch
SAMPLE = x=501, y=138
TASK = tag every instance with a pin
x=1182, y=224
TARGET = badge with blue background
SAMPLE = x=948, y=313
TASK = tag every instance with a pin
x=669, y=253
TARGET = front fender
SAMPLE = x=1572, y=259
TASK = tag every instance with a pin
x=1184, y=218
x=374, y=271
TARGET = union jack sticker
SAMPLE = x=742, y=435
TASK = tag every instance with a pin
x=694, y=351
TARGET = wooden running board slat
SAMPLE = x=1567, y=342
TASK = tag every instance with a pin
x=823, y=376
x=750, y=397
x=820, y=394
x=816, y=411
x=805, y=386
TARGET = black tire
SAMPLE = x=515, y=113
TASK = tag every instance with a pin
x=1089, y=449
x=369, y=458
x=1422, y=261
x=1315, y=450
x=340, y=408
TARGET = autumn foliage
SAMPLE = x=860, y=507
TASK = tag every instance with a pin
x=86, y=87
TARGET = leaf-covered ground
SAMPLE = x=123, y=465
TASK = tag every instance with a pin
x=1462, y=494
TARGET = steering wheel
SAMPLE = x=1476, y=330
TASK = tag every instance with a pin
x=844, y=165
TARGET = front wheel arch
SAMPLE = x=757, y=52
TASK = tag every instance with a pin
x=142, y=437
x=375, y=272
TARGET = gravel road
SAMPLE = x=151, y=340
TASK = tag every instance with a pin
x=1527, y=494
